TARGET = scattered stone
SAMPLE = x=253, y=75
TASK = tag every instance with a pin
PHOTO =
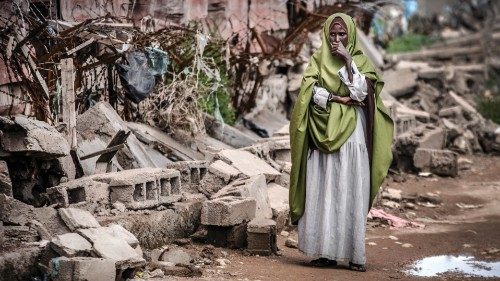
x=284, y=233
x=222, y=262
x=180, y=271
x=392, y=194
x=223, y=170
x=77, y=218
x=407, y=245
x=468, y=206
x=393, y=237
x=372, y=243
x=430, y=197
x=119, y=206
x=464, y=163
x=291, y=243
x=390, y=204
x=439, y=162
x=176, y=256
x=182, y=241
x=409, y=205
x=70, y=245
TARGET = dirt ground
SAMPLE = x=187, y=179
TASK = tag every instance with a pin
x=449, y=230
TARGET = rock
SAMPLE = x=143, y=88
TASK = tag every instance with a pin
x=180, y=271
x=291, y=243
x=433, y=139
x=39, y=139
x=77, y=218
x=409, y=205
x=70, y=245
x=439, y=162
x=227, y=211
x=464, y=163
x=254, y=187
x=452, y=112
x=248, y=164
x=372, y=243
x=83, y=268
x=284, y=233
x=390, y=204
x=176, y=256
x=5, y=182
x=261, y=236
x=222, y=262
x=462, y=103
x=430, y=197
x=19, y=264
x=407, y=245
x=227, y=134
x=223, y=170
x=392, y=194
x=119, y=206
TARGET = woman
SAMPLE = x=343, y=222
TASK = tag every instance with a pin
x=340, y=135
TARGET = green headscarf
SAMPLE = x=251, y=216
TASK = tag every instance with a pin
x=329, y=129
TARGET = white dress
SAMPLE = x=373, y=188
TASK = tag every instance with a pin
x=338, y=190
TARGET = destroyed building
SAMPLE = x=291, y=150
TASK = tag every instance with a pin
x=108, y=166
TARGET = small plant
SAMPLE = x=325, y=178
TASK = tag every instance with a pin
x=409, y=42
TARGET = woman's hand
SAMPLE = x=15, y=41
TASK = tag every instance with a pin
x=347, y=100
x=339, y=50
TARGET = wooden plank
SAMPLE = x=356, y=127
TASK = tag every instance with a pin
x=81, y=46
x=34, y=68
x=68, y=100
x=103, y=151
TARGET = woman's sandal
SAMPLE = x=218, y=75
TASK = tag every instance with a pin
x=357, y=267
x=323, y=262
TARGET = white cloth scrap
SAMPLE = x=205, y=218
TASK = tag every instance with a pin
x=357, y=88
x=320, y=96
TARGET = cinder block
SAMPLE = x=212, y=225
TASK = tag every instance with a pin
x=223, y=170
x=261, y=237
x=228, y=211
x=83, y=269
x=234, y=237
x=192, y=172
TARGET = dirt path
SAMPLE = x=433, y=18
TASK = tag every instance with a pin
x=449, y=230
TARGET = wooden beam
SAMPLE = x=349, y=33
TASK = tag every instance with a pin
x=81, y=46
x=103, y=151
x=68, y=100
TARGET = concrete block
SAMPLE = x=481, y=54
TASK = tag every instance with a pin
x=234, y=237
x=211, y=184
x=439, y=162
x=192, y=172
x=227, y=211
x=261, y=236
x=247, y=163
x=176, y=256
x=223, y=170
x=77, y=218
x=278, y=199
x=70, y=245
x=254, y=187
x=83, y=269
x=110, y=247
x=79, y=192
x=39, y=139
x=119, y=231
x=433, y=139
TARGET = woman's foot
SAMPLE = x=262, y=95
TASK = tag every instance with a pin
x=323, y=262
x=357, y=267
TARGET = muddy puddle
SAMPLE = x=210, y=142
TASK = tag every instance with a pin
x=465, y=265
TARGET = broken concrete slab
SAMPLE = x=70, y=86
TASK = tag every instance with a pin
x=119, y=231
x=439, y=162
x=278, y=199
x=227, y=134
x=77, y=218
x=400, y=82
x=462, y=102
x=248, y=164
x=82, y=269
x=5, y=182
x=82, y=191
x=433, y=139
x=102, y=122
x=37, y=138
x=254, y=187
x=71, y=244
x=228, y=211
x=261, y=236
x=223, y=170
x=111, y=247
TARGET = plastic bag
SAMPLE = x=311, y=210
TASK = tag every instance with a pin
x=136, y=77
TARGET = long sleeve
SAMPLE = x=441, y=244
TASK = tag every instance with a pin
x=357, y=88
x=320, y=96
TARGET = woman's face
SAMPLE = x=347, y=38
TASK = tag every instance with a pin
x=338, y=33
